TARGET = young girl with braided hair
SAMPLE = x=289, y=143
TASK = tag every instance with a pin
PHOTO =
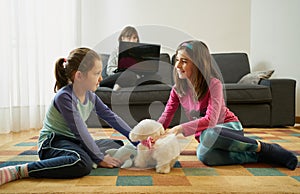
x=65, y=147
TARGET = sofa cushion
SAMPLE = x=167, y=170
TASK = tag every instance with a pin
x=144, y=94
x=247, y=94
x=255, y=77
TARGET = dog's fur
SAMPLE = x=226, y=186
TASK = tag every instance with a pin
x=164, y=152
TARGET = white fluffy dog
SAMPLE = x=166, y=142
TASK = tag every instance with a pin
x=155, y=149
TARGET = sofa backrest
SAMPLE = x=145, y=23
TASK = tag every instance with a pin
x=233, y=66
x=104, y=58
x=164, y=68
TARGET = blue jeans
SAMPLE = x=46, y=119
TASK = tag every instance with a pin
x=62, y=157
x=226, y=145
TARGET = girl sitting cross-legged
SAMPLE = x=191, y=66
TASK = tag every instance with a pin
x=199, y=90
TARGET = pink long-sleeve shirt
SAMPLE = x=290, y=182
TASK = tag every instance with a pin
x=211, y=106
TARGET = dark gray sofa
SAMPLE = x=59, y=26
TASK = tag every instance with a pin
x=271, y=103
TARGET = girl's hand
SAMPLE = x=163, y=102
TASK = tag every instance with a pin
x=175, y=130
x=109, y=162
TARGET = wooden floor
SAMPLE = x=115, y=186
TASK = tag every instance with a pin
x=189, y=176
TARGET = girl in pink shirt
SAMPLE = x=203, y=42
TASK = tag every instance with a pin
x=199, y=90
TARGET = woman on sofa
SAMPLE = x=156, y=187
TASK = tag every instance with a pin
x=199, y=90
x=128, y=34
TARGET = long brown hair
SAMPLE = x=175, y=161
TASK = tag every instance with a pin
x=199, y=53
x=79, y=59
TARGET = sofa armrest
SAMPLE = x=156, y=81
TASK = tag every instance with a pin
x=283, y=101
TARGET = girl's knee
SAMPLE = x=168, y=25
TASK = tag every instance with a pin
x=83, y=172
x=210, y=136
x=205, y=159
x=81, y=166
x=81, y=169
x=204, y=155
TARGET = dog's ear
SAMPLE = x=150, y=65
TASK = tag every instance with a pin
x=162, y=131
x=133, y=137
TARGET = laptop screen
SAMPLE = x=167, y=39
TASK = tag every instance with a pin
x=138, y=57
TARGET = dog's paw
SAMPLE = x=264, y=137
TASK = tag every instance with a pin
x=165, y=169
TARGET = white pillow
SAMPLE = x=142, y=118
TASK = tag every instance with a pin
x=255, y=77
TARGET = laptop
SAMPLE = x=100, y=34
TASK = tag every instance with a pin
x=138, y=57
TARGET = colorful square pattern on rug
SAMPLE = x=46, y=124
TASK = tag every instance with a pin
x=188, y=170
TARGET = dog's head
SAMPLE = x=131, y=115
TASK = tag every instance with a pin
x=146, y=128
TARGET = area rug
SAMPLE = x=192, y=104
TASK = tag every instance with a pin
x=189, y=175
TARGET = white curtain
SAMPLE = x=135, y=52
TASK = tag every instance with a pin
x=34, y=33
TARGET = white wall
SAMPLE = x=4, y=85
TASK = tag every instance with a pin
x=275, y=39
x=223, y=25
